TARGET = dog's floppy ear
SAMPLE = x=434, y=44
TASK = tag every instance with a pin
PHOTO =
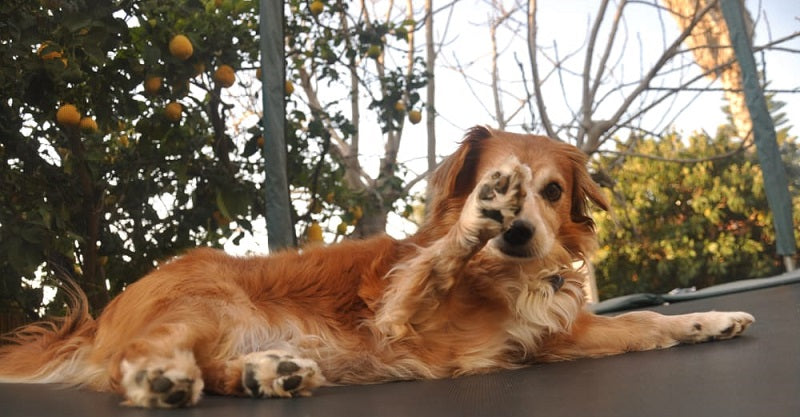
x=455, y=176
x=578, y=235
x=585, y=189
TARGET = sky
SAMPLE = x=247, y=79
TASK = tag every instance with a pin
x=463, y=98
x=565, y=23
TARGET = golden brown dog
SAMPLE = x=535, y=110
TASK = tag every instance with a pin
x=486, y=283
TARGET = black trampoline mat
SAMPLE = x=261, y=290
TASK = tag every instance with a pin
x=755, y=375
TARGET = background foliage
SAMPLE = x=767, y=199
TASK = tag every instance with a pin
x=102, y=207
x=691, y=224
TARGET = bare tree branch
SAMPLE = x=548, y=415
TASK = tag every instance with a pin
x=496, y=22
x=742, y=147
x=548, y=127
x=586, y=103
x=683, y=87
x=601, y=67
x=600, y=128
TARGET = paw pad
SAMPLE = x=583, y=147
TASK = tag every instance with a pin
x=500, y=194
x=164, y=391
x=161, y=385
x=277, y=374
x=719, y=326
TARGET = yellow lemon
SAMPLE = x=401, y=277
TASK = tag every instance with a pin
x=181, y=47
x=88, y=125
x=173, y=111
x=316, y=7
x=400, y=106
x=289, y=87
x=225, y=76
x=414, y=116
x=315, y=232
x=152, y=85
x=68, y=115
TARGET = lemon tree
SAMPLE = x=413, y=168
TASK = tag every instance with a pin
x=103, y=177
x=122, y=148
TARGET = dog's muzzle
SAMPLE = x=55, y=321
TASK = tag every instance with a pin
x=520, y=232
x=515, y=240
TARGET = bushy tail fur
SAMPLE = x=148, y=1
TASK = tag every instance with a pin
x=53, y=351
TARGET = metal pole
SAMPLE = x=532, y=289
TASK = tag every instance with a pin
x=280, y=229
x=775, y=182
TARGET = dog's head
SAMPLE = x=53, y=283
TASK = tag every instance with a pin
x=555, y=209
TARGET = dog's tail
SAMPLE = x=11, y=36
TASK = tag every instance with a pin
x=54, y=351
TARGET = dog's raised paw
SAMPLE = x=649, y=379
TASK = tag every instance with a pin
x=275, y=373
x=498, y=198
x=162, y=382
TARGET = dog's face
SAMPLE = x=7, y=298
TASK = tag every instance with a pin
x=554, y=210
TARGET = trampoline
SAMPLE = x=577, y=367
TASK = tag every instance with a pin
x=757, y=374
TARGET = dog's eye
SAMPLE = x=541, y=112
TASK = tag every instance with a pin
x=552, y=192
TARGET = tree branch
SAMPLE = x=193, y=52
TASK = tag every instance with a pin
x=355, y=176
x=601, y=128
x=743, y=146
x=548, y=127
x=586, y=103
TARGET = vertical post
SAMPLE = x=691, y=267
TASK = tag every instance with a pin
x=280, y=229
x=430, y=110
x=775, y=182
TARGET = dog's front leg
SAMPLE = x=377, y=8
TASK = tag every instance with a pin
x=594, y=336
x=418, y=285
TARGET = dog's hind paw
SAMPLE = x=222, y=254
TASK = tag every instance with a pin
x=162, y=382
x=275, y=373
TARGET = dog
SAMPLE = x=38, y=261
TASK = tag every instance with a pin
x=488, y=282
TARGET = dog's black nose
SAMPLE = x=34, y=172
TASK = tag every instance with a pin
x=520, y=232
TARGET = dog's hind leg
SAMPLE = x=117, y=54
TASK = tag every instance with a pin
x=169, y=364
x=266, y=374
x=158, y=369
x=418, y=285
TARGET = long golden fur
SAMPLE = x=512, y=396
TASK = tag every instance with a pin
x=486, y=283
